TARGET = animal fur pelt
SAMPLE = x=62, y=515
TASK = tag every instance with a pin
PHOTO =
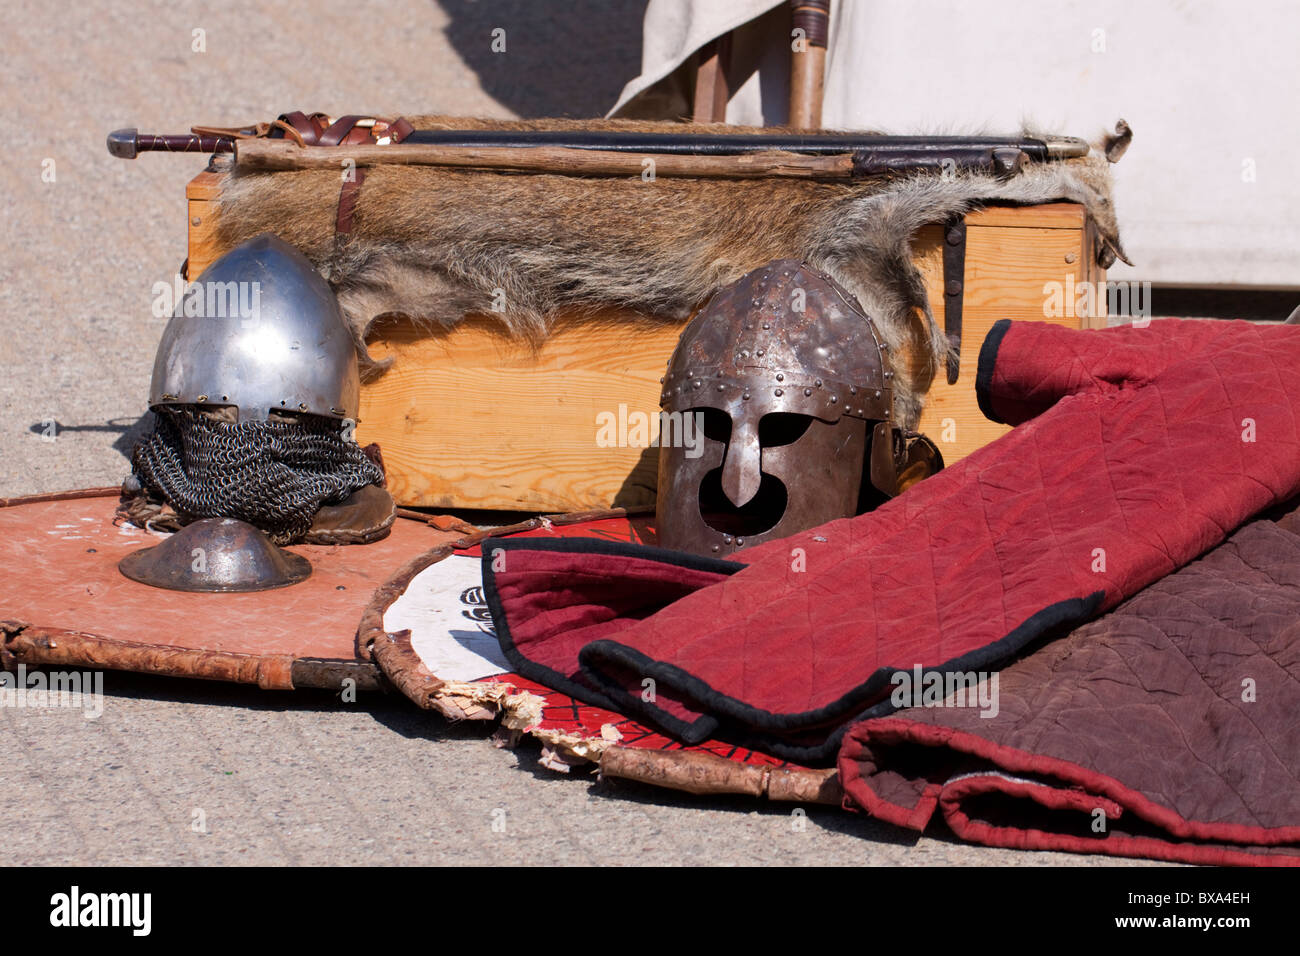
x=435, y=244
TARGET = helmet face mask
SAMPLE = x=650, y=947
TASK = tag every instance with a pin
x=785, y=374
x=765, y=473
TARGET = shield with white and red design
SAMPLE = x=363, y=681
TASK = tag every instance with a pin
x=431, y=633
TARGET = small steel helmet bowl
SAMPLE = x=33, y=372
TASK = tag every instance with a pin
x=260, y=331
x=216, y=555
x=776, y=390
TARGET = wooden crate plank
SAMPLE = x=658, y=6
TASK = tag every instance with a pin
x=202, y=192
x=1053, y=215
x=1006, y=271
x=473, y=418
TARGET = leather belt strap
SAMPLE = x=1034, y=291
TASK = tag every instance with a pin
x=344, y=131
x=954, y=284
x=349, y=193
x=399, y=129
x=317, y=130
x=308, y=128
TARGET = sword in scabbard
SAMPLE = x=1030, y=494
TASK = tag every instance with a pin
x=612, y=153
x=129, y=143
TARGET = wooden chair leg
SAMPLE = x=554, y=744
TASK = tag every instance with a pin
x=711, y=93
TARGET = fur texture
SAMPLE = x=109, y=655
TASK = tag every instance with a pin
x=435, y=244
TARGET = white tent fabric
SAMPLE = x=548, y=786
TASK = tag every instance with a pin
x=675, y=29
x=1205, y=195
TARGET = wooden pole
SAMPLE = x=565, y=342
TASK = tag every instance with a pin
x=810, y=27
x=268, y=155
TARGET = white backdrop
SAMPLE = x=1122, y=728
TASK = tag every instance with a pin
x=1208, y=193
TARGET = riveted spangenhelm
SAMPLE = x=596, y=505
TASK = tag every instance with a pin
x=261, y=331
x=792, y=386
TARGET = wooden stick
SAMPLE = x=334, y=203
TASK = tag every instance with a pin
x=267, y=155
x=808, y=62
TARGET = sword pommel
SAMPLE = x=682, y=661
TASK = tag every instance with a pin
x=122, y=143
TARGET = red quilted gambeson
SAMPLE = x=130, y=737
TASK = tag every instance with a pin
x=1136, y=450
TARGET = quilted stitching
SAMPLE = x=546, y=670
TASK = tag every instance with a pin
x=1145, y=705
x=1129, y=441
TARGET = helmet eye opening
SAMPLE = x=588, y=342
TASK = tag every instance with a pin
x=717, y=424
x=782, y=428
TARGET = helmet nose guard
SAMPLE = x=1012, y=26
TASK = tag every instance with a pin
x=742, y=468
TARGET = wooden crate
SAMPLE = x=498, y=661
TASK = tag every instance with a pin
x=471, y=418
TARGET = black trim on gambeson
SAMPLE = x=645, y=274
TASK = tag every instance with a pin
x=545, y=675
x=984, y=370
x=758, y=726
x=723, y=716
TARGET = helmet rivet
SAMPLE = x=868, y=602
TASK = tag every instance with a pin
x=818, y=383
x=834, y=399
x=722, y=388
x=780, y=377
x=719, y=374
x=807, y=391
x=302, y=406
x=853, y=390
x=780, y=392
x=759, y=353
x=726, y=539
x=696, y=384
x=715, y=547
x=740, y=542
x=877, y=393
x=202, y=399
x=745, y=396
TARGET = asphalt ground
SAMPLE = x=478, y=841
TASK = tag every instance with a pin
x=178, y=771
